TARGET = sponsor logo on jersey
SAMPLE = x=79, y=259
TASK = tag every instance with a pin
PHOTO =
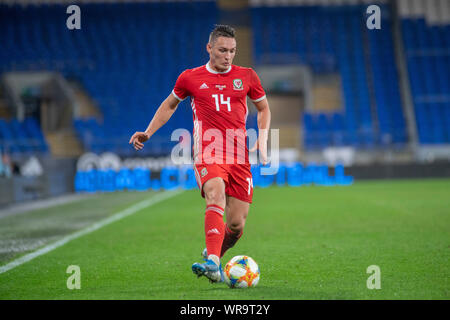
x=220, y=86
x=238, y=84
x=204, y=86
x=204, y=172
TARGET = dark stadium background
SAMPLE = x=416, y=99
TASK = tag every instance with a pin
x=341, y=92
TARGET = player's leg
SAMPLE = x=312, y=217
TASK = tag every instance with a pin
x=212, y=185
x=214, y=190
x=236, y=215
x=236, y=212
x=239, y=192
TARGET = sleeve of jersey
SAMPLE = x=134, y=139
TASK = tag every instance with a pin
x=180, y=91
x=256, y=92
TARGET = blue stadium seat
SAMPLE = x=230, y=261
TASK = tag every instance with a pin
x=426, y=49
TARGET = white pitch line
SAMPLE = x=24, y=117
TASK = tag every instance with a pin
x=120, y=215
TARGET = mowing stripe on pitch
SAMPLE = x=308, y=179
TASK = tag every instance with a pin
x=120, y=215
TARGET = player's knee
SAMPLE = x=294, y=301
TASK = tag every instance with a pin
x=215, y=196
x=214, y=190
x=236, y=226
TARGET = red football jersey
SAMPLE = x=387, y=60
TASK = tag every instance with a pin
x=219, y=109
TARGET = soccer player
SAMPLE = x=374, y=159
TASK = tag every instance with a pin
x=218, y=92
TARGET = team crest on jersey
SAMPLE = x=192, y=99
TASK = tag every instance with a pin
x=204, y=172
x=238, y=84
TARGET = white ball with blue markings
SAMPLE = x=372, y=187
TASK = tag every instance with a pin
x=241, y=272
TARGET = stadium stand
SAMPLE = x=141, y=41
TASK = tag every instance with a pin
x=22, y=137
x=335, y=39
x=426, y=37
x=127, y=57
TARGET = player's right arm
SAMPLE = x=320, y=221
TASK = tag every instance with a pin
x=162, y=115
x=164, y=112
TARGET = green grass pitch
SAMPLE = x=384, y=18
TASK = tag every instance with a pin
x=310, y=243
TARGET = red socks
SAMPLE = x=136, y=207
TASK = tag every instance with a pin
x=214, y=229
x=229, y=240
x=219, y=238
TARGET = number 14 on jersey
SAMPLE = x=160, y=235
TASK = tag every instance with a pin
x=222, y=101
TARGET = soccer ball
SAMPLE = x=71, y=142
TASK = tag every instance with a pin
x=241, y=272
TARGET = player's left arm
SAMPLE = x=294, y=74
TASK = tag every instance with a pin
x=263, y=119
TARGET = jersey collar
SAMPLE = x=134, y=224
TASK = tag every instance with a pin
x=217, y=72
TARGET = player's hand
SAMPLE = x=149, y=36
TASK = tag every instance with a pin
x=138, y=139
x=261, y=145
